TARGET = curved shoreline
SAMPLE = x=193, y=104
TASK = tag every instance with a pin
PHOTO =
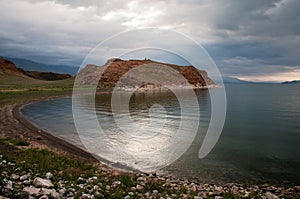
x=15, y=125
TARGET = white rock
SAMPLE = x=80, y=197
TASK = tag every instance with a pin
x=26, y=182
x=45, y=191
x=31, y=190
x=116, y=183
x=141, y=179
x=44, y=197
x=96, y=187
x=270, y=195
x=40, y=182
x=139, y=187
x=54, y=194
x=49, y=175
x=14, y=176
x=80, y=179
x=218, y=188
x=62, y=191
x=24, y=177
x=81, y=186
x=198, y=197
x=92, y=179
x=130, y=193
x=9, y=185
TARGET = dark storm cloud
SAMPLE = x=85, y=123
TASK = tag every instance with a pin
x=243, y=37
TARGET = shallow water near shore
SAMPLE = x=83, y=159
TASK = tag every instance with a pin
x=260, y=142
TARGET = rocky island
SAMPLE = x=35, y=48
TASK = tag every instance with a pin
x=128, y=74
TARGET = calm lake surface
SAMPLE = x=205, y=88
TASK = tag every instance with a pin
x=260, y=142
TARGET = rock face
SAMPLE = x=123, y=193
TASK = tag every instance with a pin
x=9, y=67
x=144, y=71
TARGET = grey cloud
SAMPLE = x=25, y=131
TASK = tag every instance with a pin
x=243, y=37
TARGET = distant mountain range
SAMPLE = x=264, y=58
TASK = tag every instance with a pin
x=29, y=65
x=292, y=82
x=233, y=80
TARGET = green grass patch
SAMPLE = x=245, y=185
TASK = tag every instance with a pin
x=14, y=141
x=42, y=161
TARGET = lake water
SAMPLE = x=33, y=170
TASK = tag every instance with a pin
x=260, y=142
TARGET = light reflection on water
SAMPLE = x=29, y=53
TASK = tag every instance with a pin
x=259, y=143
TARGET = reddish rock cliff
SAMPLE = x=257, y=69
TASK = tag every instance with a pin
x=9, y=67
x=115, y=69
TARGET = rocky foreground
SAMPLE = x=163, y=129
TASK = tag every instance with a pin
x=105, y=183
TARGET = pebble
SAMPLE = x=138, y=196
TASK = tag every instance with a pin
x=44, y=197
x=49, y=175
x=9, y=185
x=40, y=182
x=116, y=183
x=270, y=195
x=62, y=192
x=24, y=177
x=14, y=176
x=32, y=190
x=139, y=187
x=54, y=194
x=297, y=188
x=81, y=180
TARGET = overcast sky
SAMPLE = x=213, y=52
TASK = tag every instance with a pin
x=255, y=40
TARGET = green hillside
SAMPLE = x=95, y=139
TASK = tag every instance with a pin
x=10, y=82
x=16, y=89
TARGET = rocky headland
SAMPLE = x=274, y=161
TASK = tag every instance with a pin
x=143, y=74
